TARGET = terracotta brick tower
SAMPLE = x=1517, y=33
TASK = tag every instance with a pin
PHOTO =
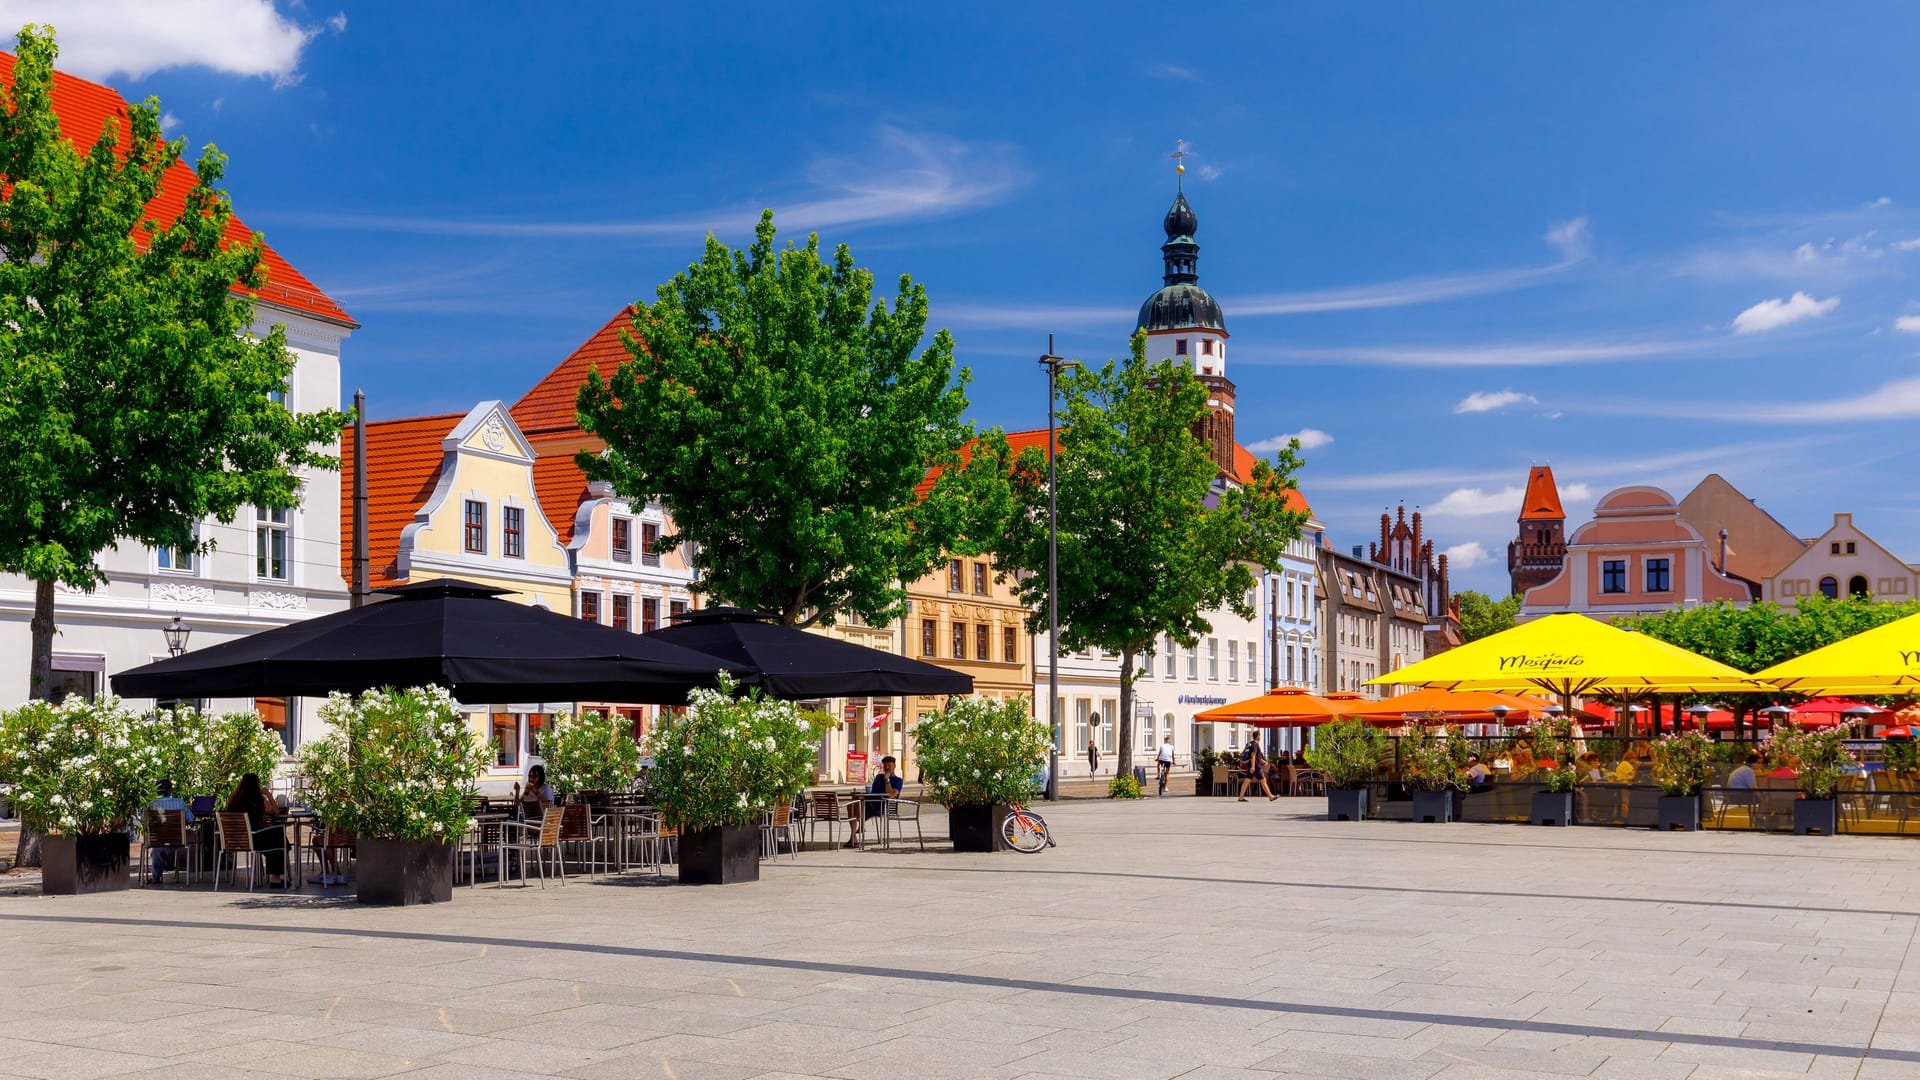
x=1539, y=547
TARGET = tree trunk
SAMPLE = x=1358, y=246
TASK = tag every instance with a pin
x=1125, y=720
x=39, y=685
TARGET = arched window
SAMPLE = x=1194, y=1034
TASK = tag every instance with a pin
x=1829, y=588
x=1857, y=586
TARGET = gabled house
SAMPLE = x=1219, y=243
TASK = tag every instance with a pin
x=1843, y=561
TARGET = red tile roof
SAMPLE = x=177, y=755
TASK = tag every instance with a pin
x=403, y=463
x=548, y=408
x=84, y=107
x=1542, y=500
x=561, y=487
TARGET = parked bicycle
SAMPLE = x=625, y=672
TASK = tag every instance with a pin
x=1024, y=830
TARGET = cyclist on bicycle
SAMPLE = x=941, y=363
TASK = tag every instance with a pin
x=1166, y=762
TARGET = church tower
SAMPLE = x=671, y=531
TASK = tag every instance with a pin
x=1184, y=323
x=1539, y=547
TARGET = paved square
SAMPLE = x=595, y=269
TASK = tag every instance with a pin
x=1199, y=938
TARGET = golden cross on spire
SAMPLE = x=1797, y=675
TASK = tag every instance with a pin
x=1180, y=151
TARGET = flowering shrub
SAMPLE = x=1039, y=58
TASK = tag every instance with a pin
x=1123, y=786
x=727, y=759
x=980, y=752
x=1435, y=758
x=1553, y=741
x=593, y=751
x=1818, y=756
x=399, y=765
x=207, y=754
x=1682, y=763
x=82, y=767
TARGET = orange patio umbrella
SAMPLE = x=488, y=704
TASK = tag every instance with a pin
x=1285, y=707
x=1456, y=706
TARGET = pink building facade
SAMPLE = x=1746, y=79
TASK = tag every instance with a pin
x=1637, y=556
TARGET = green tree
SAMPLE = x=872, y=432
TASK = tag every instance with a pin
x=134, y=390
x=1483, y=616
x=784, y=418
x=1149, y=542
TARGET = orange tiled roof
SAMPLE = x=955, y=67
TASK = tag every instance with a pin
x=548, y=408
x=403, y=462
x=1542, y=500
x=561, y=487
x=83, y=108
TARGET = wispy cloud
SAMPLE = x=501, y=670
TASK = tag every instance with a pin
x=1907, y=324
x=1492, y=401
x=1773, y=314
x=1496, y=354
x=1603, y=470
x=910, y=175
x=1466, y=556
x=1895, y=400
x=1310, y=439
x=1880, y=203
x=1479, y=502
x=135, y=38
x=1175, y=72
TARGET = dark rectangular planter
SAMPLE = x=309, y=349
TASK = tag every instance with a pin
x=1551, y=808
x=727, y=855
x=1816, y=815
x=1679, y=812
x=977, y=827
x=1347, y=804
x=72, y=865
x=1433, y=805
x=400, y=873
x=1202, y=786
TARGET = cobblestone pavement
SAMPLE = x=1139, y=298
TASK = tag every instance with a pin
x=1199, y=938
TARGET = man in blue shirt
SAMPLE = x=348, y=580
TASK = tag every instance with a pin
x=887, y=784
x=167, y=802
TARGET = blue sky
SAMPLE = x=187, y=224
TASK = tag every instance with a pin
x=1642, y=242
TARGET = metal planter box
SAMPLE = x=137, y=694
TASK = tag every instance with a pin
x=1434, y=806
x=1816, y=815
x=1680, y=812
x=1551, y=808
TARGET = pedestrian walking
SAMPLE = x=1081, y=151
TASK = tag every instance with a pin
x=1254, y=761
x=1093, y=749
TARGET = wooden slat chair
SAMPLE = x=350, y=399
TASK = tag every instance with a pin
x=537, y=841
x=167, y=831
x=775, y=825
x=666, y=847
x=236, y=841
x=1222, y=780
x=828, y=808
x=577, y=828
x=337, y=846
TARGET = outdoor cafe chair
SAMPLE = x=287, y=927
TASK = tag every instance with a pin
x=1776, y=804
x=899, y=810
x=536, y=840
x=1222, y=781
x=827, y=807
x=1747, y=799
x=666, y=847
x=336, y=842
x=775, y=824
x=236, y=842
x=577, y=828
x=167, y=831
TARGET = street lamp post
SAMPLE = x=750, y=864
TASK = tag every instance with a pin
x=176, y=633
x=1053, y=364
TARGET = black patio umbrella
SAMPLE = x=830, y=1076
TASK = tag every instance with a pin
x=456, y=634
x=797, y=665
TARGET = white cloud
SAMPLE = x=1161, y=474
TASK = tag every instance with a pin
x=1907, y=324
x=1907, y=245
x=337, y=22
x=1466, y=556
x=101, y=39
x=1207, y=172
x=1496, y=354
x=1175, y=71
x=1880, y=203
x=1478, y=502
x=1310, y=439
x=1493, y=400
x=908, y=175
x=169, y=123
x=1573, y=239
x=1773, y=314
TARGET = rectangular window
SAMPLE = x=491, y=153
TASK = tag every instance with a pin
x=1613, y=576
x=1173, y=659
x=954, y=581
x=504, y=734
x=1850, y=549
x=513, y=532
x=982, y=641
x=1193, y=661
x=590, y=606
x=675, y=609
x=273, y=716
x=959, y=641
x=1253, y=676
x=622, y=612
x=929, y=636
x=1659, y=575
x=980, y=579
x=175, y=560
x=1206, y=346
x=1233, y=661
x=473, y=532
x=1834, y=548
x=649, y=536
x=1213, y=659
x=1010, y=644
x=649, y=615
x=270, y=544
x=1179, y=346
x=622, y=539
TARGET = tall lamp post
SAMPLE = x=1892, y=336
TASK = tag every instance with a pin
x=176, y=633
x=1053, y=364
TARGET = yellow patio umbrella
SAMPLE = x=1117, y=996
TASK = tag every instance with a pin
x=1883, y=660
x=1566, y=655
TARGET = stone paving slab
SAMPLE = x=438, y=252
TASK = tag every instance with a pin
x=1196, y=938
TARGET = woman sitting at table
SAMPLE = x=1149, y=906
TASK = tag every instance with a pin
x=536, y=796
x=887, y=784
x=1522, y=757
x=270, y=838
x=1590, y=771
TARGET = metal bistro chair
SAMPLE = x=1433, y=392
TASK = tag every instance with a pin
x=577, y=828
x=337, y=845
x=828, y=808
x=167, y=831
x=775, y=824
x=236, y=840
x=899, y=810
x=537, y=840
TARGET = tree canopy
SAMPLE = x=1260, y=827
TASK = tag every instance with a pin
x=1150, y=538
x=784, y=418
x=1483, y=616
x=1755, y=636
x=135, y=392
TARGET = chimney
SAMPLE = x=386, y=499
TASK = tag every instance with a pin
x=1723, y=552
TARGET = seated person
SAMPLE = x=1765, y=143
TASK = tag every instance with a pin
x=1624, y=772
x=887, y=784
x=263, y=815
x=1522, y=756
x=537, y=795
x=1590, y=771
x=168, y=802
x=1477, y=773
x=1742, y=778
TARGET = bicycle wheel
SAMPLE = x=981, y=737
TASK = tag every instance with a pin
x=1024, y=831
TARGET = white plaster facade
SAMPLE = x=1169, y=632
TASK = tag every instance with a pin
x=1843, y=561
